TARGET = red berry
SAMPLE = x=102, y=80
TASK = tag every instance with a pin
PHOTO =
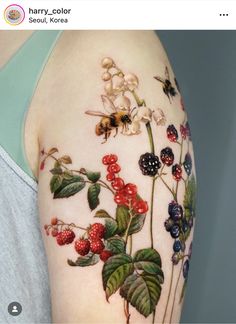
x=54, y=232
x=140, y=206
x=113, y=158
x=97, y=246
x=183, y=131
x=42, y=164
x=45, y=227
x=109, y=159
x=65, y=237
x=96, y=231
x=120, y=199
x=113, y=168
x=54, y=221
x=118, y=184
x=82, y=246
x=130, y=189
x=110, y=176
x=177, y=172
x=105, y=255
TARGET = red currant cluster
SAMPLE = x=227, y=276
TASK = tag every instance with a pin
x=125, y=194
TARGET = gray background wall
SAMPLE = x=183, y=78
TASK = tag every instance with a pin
x=205, y=65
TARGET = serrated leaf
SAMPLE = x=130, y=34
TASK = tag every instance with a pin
x=101, y=213
x=92, y=176
x=115, y=270
x=55, y=183
x=137, y=223
x=66, y=159
x=149, y=260
x=93, y=193
x=111, y=227
x=115, y=244
x=84, y=261
x=142, y=291
x=123, y=219
x=52, y=151
x=69, y=187
x=56, y=171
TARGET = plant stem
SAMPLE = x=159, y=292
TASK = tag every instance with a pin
x=150, y=137
x=126, y=310
x=175, y=291
x=170, y=287
x=151, y=211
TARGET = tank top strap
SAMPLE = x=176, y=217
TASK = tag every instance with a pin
x=18, y=80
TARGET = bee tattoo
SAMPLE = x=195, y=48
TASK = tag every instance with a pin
x=167, y=86
x=114, y=119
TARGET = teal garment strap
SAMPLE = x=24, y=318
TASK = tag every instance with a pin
x=18, y=80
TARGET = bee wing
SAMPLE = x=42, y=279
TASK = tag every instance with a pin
x=167, y=73
x=159, y=79
x=96, y=113
x=108, y=105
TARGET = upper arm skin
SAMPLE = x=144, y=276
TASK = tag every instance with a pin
x=71, y=85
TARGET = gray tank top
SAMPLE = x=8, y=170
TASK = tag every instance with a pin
x=23, y=269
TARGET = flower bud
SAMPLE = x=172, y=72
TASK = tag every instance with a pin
x=107, y=63
x=106, y=76
x=159, y=117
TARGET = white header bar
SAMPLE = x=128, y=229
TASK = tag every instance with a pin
x=118, y=14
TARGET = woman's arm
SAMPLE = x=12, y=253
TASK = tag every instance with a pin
x=116, y=180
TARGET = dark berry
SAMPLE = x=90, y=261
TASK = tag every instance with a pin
x=168, y=224
x=188, y=164
x=82, y=246
x=172, y=133
x=177, y=172
x=175, y=211
x=97, y=246
x=113, y=168
x=175, y=258
x=149, y=164
x=130, y=189
x=175, y=231
x=186, y=268
x=167, y=156
x=183, y=131
x=140, y=206
x=118, y=184
x=177, y=246
x=188, y=130
x=105, y=255
x=185, y=226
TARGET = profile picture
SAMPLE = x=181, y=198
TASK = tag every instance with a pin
x=14, y=14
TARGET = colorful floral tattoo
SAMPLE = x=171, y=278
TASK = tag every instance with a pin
x=136, y=275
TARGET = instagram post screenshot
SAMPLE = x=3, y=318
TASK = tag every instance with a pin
x=117, y=161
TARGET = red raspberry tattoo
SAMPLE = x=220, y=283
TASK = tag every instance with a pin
x=65, y=237
x=82, y=246
x=97, y=246
x=105, y=255
x=96, y=231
